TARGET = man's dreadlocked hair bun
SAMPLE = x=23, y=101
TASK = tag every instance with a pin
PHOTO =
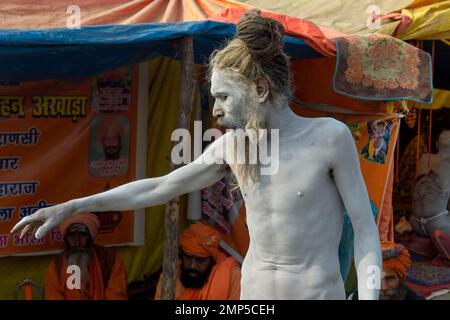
x=262, y=36
x=255, y=52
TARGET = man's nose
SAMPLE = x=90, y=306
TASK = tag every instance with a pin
x=192, y=264
x=217, y=111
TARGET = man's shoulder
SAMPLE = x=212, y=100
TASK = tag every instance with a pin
x=228, y=268
x=327, y=129
x=229, y=262
x=331, y=126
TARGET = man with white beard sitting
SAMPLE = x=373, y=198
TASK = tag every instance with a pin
x=84, y=270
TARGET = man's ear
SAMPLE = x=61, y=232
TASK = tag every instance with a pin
x=262, y=88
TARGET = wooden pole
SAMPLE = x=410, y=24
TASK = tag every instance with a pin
x=172, y=219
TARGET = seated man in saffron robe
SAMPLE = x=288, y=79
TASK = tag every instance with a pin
x=84, y=270
x=205, y=273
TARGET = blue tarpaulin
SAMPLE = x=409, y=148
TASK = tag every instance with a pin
x=72, y=53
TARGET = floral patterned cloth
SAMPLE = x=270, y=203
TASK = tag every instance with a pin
x=380, y=67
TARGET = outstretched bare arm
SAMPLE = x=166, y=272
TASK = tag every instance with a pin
x=134, y=195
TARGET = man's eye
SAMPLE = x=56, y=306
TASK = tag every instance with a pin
x=223, y=98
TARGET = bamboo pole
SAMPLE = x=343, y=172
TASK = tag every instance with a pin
x=171, y=218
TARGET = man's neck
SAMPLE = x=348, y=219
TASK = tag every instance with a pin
x=282, y=118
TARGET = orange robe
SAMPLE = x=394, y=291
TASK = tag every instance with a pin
x=56, y=289
x=224, y=283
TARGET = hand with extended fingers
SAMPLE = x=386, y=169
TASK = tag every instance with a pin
x=40, y=222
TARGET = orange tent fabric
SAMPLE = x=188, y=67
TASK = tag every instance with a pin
x=317, y=37
x=313, y=83
x=32, y=14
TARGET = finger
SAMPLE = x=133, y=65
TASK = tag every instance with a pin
x=35, y=227
x=19, y=225
x=24, y=231
x=35, y=217
x=42, y=231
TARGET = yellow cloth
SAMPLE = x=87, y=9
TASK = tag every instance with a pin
x=431, y=22
x=349, y=17
x=224, y=283
x=441, y=99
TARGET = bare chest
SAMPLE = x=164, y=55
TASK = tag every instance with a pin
x=300, y=171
